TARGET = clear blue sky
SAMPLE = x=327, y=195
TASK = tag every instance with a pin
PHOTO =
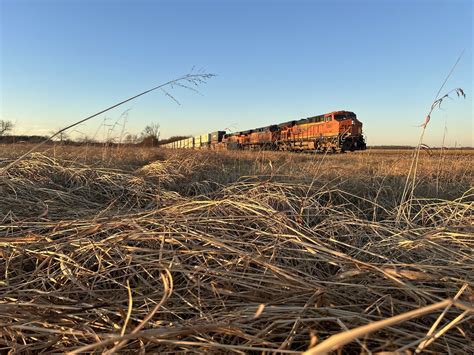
x=275, y=61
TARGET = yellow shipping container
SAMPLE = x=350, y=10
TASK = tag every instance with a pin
x=188, y=143
x=197, y=142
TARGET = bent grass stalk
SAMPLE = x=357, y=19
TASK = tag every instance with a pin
x=193, y=79
x=410, y=183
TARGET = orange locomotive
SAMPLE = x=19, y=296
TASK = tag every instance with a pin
x=337, y=131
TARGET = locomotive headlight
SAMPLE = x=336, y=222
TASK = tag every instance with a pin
x=352, y=122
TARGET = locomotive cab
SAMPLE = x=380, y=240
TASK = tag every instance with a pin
x=350, y=131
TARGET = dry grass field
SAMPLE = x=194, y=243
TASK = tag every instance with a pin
x=148, y=250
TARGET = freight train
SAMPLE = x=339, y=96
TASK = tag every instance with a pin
x=337, y=131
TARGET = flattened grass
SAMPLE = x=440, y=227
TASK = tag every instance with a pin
x=153, y=250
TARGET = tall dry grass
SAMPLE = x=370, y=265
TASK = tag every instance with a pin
x=145, y=250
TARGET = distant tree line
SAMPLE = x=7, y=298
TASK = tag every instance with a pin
x=11, y=139
x=150, y=137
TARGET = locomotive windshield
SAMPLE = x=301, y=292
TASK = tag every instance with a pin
x=344, y=116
